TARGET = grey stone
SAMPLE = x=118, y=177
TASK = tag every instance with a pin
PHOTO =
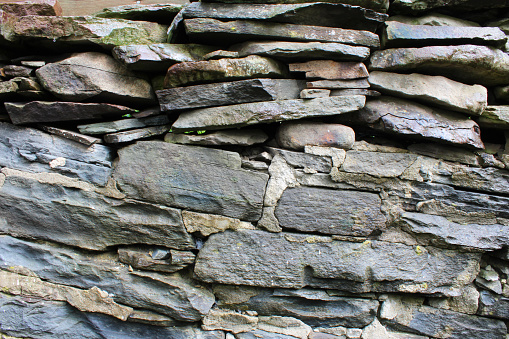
x=493, y=306
x=8, y=90
x=31, y=150
x=303, y=160
x=265, y=112
x=297, y=51
x=50, y=111
x=298, y=260
x=12, y=71
x=449, y=153
x=121, y=125
x=242, y=137
x=228, y=93
x=227, y=320
x=397, y=34
x=380, y=5
x=325, y=211
x=339, y=84
x=435, y=19
x=161, y=13
x=354, y=91
x=328, y=69
x=191, y=177
x=377, y=164
x=136, y=134
x=310, y=93
x=493, y=286
x=465, y=63
x=435, y=90
x=495, y=117
x=220, y=54
x=94, y=75
x=298, y=134
x=314, y=14
x=418, y=6
x=284, y=325
x=467, y=302
x=256, y=334
x=71, y=135
x=158, y=57
x=140, y=258
x=229, y=32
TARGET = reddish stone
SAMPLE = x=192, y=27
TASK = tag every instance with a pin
x=32, y=7
x=331, y=70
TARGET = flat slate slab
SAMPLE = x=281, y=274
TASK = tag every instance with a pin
x=496, y=116
x=289, y=260
x=196, y=178
x=228, y=93
x=471, y=64
x=380, y=5
x=122, y=125
x=136, y=134
x=160, y=13
x=239, y=137
x=226, y=33
x=339, y=84
x=265, y=112
x=330, y=70
x=416, y=7
x=314, y=14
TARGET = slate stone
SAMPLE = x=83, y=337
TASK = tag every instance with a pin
x=301, y=51
x=354, y=91
x=242, y=137
x=339, y=84
x=310, y=93
x=255, y=334
x=289, y=260
x=465, y=63
x=158, y=57
x=31, y=150
x=94, y=76
x=298, y=134
x=331, y=70
x=228, y=93
x=495, y=117
x=435, y=19
x=122, y=125
x=167, y=294
x=399, y=116
x=191, y=177
x=140, y=258
x=435, y=90
x=493, y=306
x=39, y=7
x=50, y=111
x=380, y=5
x=448, y=153
x=419, y=6
x=160, y=13
x=314, y=14
x=12, y=71
x=189, y=73
x=136, y=134
x=265, y=112
x=219, y=32
x=397, y=34
x=71, y=135
x=310, y=210
x=304, y=160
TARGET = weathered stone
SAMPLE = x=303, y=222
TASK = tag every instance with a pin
x=435, y=19
x=136, y=134
x=495, y=117
x=207, y=224
x=122, y=125
x=158, y=57
x=311, y=210
x=228, y=93
x=255, y=165
x=314, y=14
x=219, y=32
x=227, y=320
x=296, y=260
x=328, y=69
x=467, y=302
x=493, y=306
x=48, y=111
x=296, y=51
x=140, y=258
x=311, y=162
x=242, y=137
x=337, y=155
x=466, y=63
x=94, y=75
x=397, y=34
x=8, y=89
x=339, y=84
x=31, y=150
x=188, y=73
x=11, y=71
x=161, y=13
x=448, y=153
x=354, y=91
x=493, y=286
x=436, y=90
x=284, y=325
x=71, y=135
x=37, y=7
x=310, y=93
x=394, y=115
x=418, y=6
x=380, y=5
x=221, y=54
x=298, y=134
x=191, y=177
x=256, y=334
x=439, y=323
x=265, y=112
x=281, y=177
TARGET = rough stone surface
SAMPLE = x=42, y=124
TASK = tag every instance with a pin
x=161, y=13
x=265, y=112
x=380, y=5
x=227, y=320
x=284, y=325
x=435, y=90
x=228, y=93
x=145, y=259
x=493, y=306
x=191, y=177
x=94, y=75
x=467, y=302
x=339, y=84
x=435, y=19
x=136, y=134
x=242, y=137
x=495, y=117
x=295, y=261
x=419, y=6
x=333, y=70
x=207, y=224
x=313, y=162
x=445, y=152
x=219, y=32
x=310, y=93
x=121, y=125
x=355, y=91
x=71, y=135
x=188, y=73
x=466, y=63
x=38, y=7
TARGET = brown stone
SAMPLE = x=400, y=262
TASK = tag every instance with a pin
x=331, y=70
x=32, y=7
x=296, y=135
x=339, y=84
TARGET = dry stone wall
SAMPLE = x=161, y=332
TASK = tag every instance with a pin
x=275, y=169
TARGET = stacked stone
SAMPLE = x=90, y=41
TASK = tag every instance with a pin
x=328, y=202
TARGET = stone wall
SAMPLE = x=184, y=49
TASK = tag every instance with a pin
x=275, y=169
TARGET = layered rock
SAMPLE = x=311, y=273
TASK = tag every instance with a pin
x=327, y=69
x=380, y=5
x=40, y=7
x=161, y=13
x=242, y=137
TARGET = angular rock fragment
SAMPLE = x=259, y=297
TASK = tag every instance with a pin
x=219, y=32
x=242, y=137
x=495, y=117
x=49, y=111
x=300, y=51
x=465, y=63
x=298, y=134
x=8, y=90
x=330, y=70
x=296, y=260
x=449, y=153
x=435, y=19
x=380, y=5
x=188, y=73
x=354, y=91
x=311, y=93
x=304, y=160
x=339, y=84
x=436, y=90
x=265, y=112
x=195, y=178
x=136, y=134
x=158, y=57
x=141, y=258
x=207, y=224
x=38, y=7
x=11, y=71
x=227, y=320
x=493, y=306
x=284, y=325
x=228, y=93
x=71, y=135
x=84, y=76
x=160, y=13
x=122, y=125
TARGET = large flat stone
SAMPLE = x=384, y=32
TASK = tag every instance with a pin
x=122, y=125
x=325, y=211
x=397, y=34
x=191, y=177
x=253, y=66
x=31, y=150
x=219, y=32
x=228, y=93
x=495, y=117
x=265, y=112
x=136, y=134
x=435, y=90
x=330, y=70
x=298, y=134
x=84, y=76
x=301, y=51
x=466, y=63
x=40, y=7
x=380, y=5
x=160, y=13
x=314, y=14
x=298, y=260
